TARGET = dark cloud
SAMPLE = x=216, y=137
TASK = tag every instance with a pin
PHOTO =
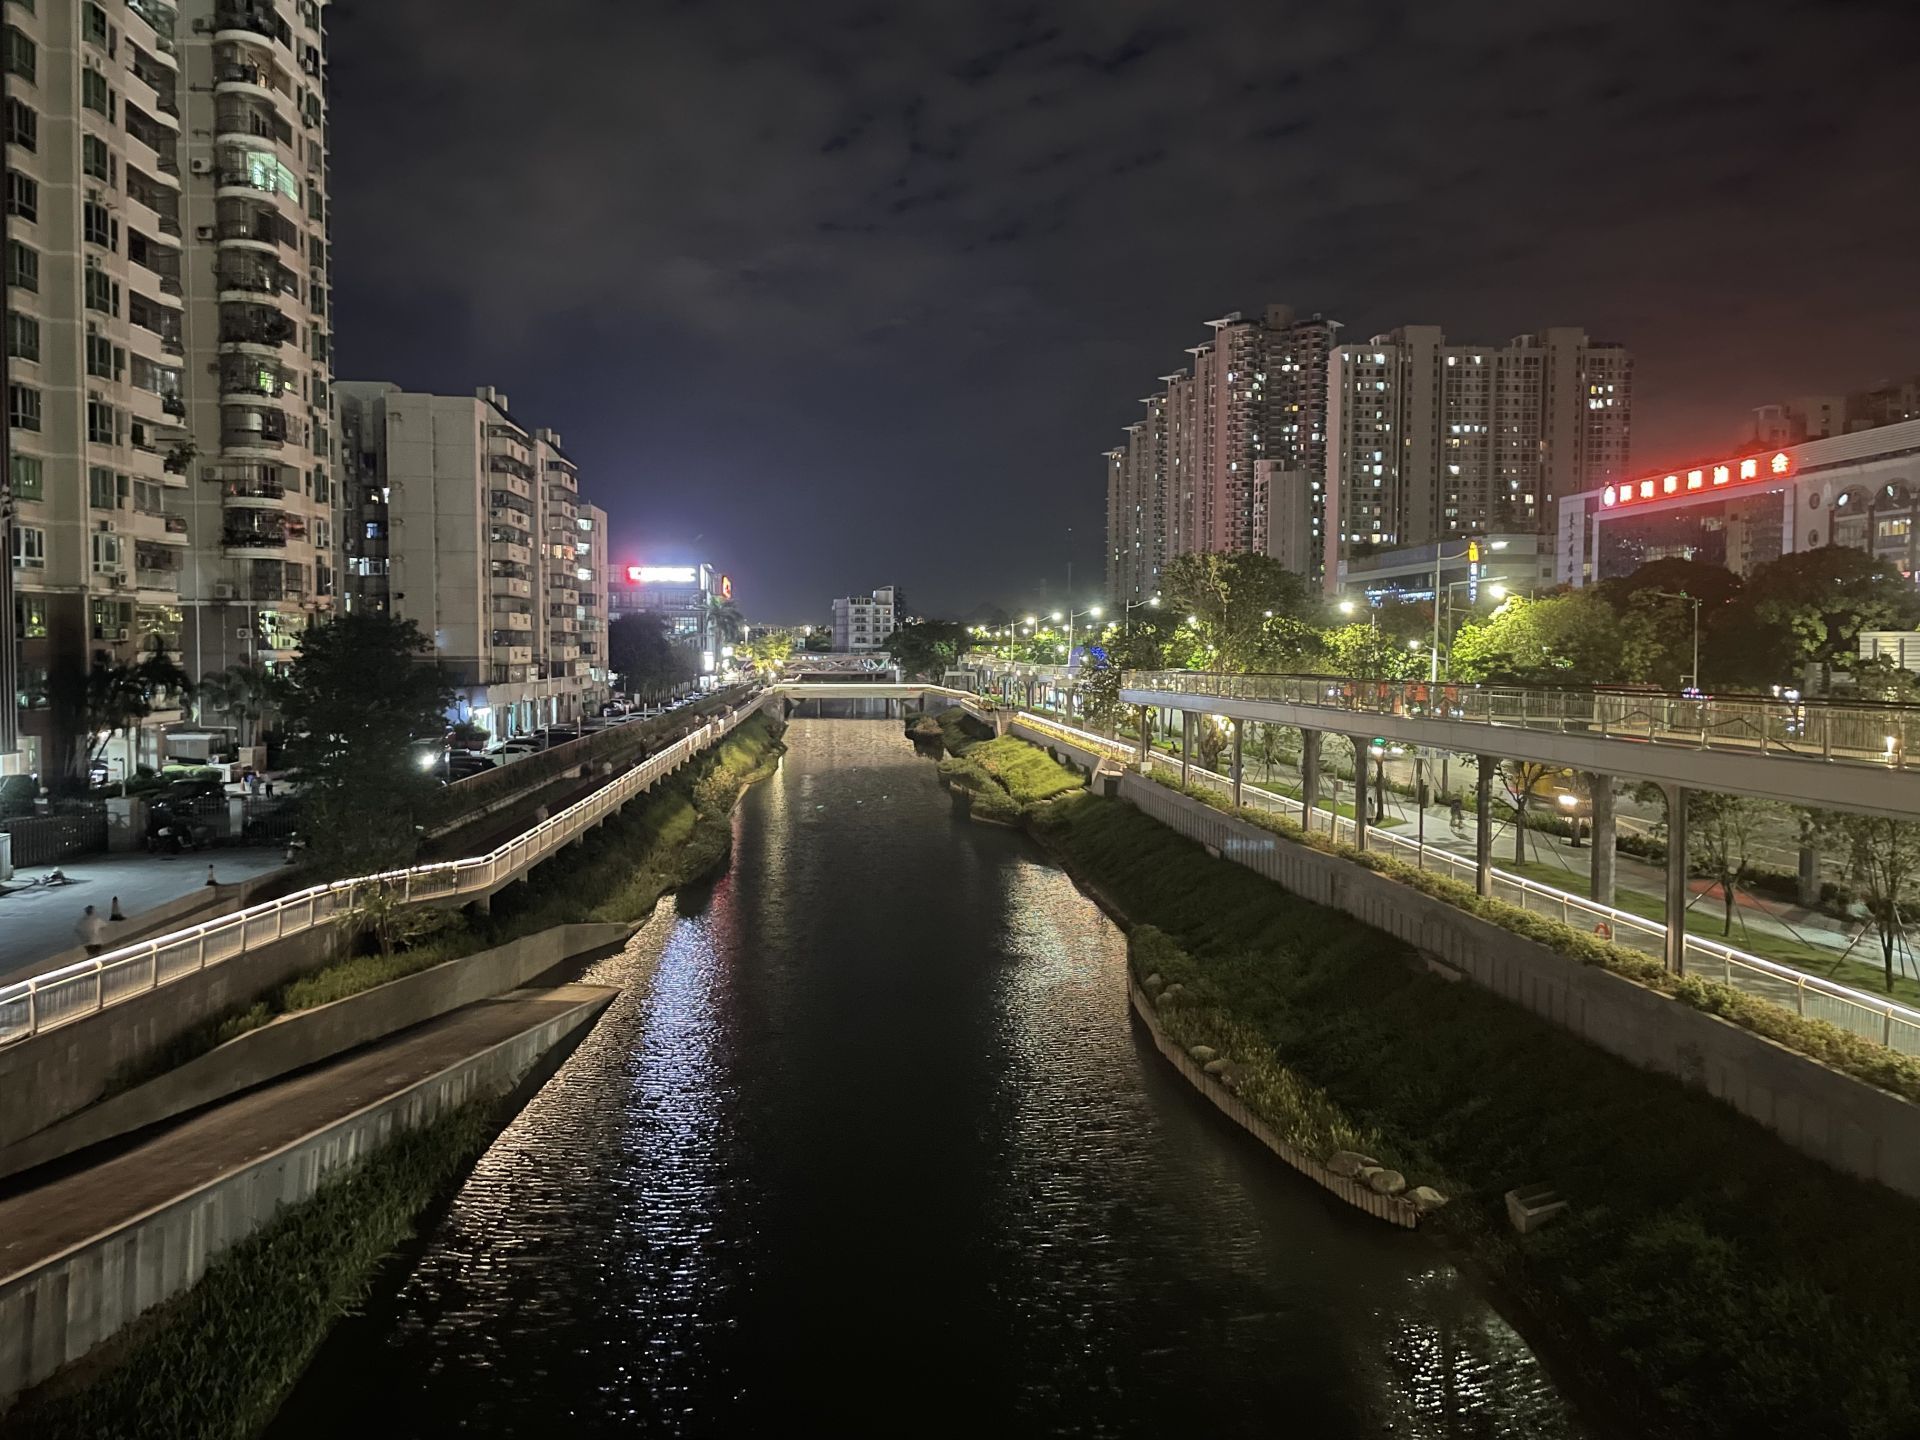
x=839, y=293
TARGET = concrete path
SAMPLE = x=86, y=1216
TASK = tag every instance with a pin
x=71, y=1208
x=37, y=922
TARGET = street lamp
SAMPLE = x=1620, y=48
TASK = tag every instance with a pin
x=1472, y=555
x=1092, y=611
x=1693, y=680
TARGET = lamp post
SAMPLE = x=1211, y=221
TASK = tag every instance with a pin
x=1693, y=680
x=1092, y=611
x=1472, y=556
x=1129, y=606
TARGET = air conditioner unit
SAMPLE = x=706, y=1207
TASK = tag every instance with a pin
x=222, y=590
x=121, y=633
x=242, y=633
x=200, y=165
x=203, y=232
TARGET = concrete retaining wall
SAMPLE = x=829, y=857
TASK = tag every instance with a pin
x=1082, y=757
x=1394, y=1209
x=56, y=1313
x=50, y=1076
x=1817, y=1110
x=303, y=1039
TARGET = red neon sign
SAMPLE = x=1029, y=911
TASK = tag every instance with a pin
x=1750, y=471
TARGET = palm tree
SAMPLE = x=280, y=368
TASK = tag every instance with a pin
x=111, y=698
x=243, y=693
x=727, y=621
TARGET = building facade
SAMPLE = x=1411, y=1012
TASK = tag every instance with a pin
x=469, y=523
x=169, y=403
x=1860, y=489
x=1816, y=417
x=1229, y=454
x=863, y=622
x=1430, y=439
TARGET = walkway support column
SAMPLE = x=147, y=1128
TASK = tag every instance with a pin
x=1676, y=952
x=1483, y=827
x=1309, y=777
x=1602, y=861
x=1239, y=726
x=1360, y=748
x=1146, y=736
x=1186, y=745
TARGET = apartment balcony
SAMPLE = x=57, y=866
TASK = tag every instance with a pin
x=156, y=583
x=245, y=323
x=256, y=428
x=244, y=278
x=507, y=582
x=248, y=22
x=245, y=224
x=504, y=652
x=509, y=553
x=244, y=378
x=241, y=117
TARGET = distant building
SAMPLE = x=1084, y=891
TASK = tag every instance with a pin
x=684, y=596
x=1430, y=439
x=1817, y=417
x=863, y=622
x=1467, y=569
x=468, y=523
x=1860, y=489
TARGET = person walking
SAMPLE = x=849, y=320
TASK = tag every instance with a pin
x=92, y=931
x=1456, y=813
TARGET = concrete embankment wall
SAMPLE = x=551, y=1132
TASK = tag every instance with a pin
x=309, y=1036
x=49, y=1076
x=62, y=1309
x=1819, y=1111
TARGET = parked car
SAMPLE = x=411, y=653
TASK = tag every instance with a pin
x=462, y=765
x=518, y=748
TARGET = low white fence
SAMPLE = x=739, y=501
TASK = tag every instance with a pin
x=1871, y=1017
x=59, y=997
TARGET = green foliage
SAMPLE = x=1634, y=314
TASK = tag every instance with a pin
x=91, y=706
x=1700, y=1251
x=769, y=649
x=241, y=695
x=1883, y=860
x=362, y=692
x=1367, y=652
x=217, y=1360
x=643, y=655
x=926, y=648
x=1807, y=608
x=1574, y=638
x=1003, y=778
x=1232, y=599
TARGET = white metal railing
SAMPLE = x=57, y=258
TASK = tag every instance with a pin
x=1884, y=736
x=45, y=1002
x=1871, y=1017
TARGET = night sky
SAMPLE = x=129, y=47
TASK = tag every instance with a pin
x=837, y=293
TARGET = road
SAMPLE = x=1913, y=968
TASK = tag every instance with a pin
x=37, y=922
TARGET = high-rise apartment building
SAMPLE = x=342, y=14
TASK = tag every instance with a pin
x=469, y=523
x=169, y=442
x=1229, y=456
x=1428, y=439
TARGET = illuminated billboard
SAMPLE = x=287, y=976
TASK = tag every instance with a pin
x=1726, y=474
x=726, y=587
x=661, y=575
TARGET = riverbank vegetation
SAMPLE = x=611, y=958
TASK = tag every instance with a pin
x=1728, y=1284
x=216, y=1361
x=1003, y=778
x=673, y=836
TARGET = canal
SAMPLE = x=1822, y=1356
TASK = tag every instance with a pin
x=868, y=1140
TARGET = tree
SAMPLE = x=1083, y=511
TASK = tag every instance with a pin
x=1883, y=860
x=111, y=698
x=1560, y=639
x=725, y=620
x=1366, y=652
x=769, y=649
x=362, y=693
x=643, y=655
x=1523, y=779
x=1232, y=597
x=1720, y=833
x=1209, y=739
x=1712, y=585
x=926, y=648
x=242, y=693
x=1807, y=608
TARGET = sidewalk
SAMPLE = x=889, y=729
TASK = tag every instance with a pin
x=73, y=1207
x=37, y=922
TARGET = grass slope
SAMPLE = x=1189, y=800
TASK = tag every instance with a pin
x=1741, y=1288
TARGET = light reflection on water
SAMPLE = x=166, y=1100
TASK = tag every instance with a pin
x=870, y=1139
